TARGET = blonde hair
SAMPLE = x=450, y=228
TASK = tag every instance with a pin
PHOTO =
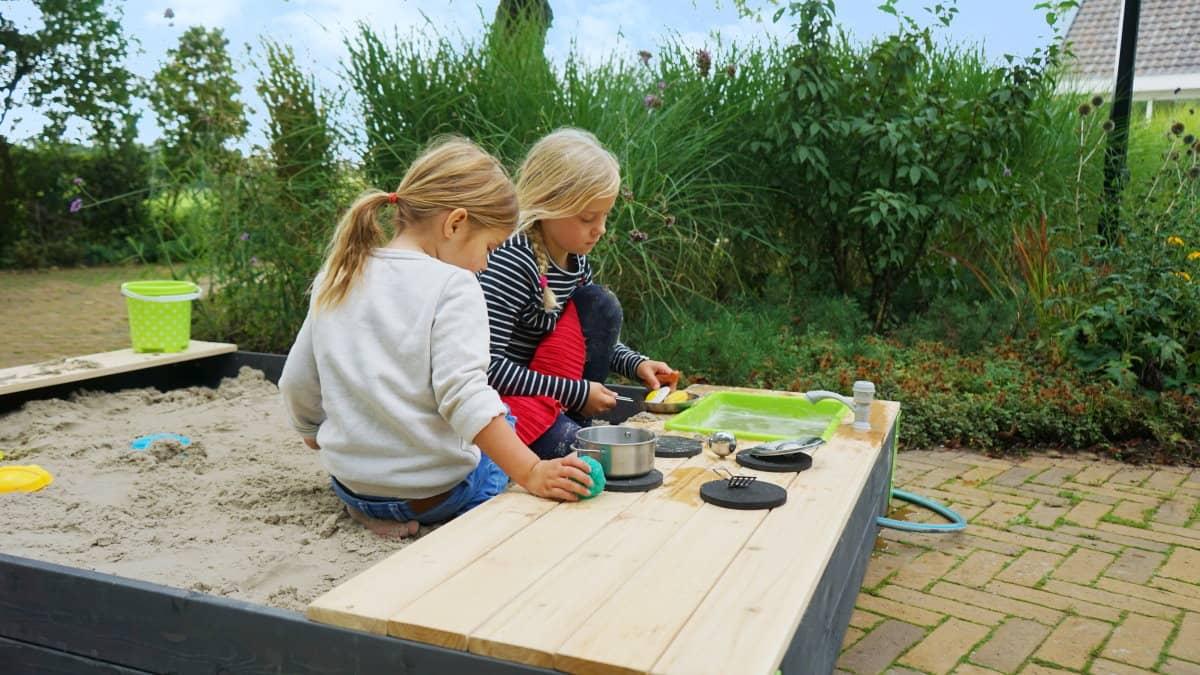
x=452, y=173
x=561, y=175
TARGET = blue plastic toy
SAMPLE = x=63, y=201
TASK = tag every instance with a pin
x=143, y=442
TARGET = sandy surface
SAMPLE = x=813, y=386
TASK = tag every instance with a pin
x=244, y=512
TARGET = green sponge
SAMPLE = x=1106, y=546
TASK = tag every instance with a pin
x=597, y=473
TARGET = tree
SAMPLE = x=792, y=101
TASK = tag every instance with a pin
x=72, y=67
x=195, y=99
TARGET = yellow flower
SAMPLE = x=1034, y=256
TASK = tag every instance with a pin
x=1184, y=275
x=1174, y=241
x=1194, y=255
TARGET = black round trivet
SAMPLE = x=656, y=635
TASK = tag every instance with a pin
x=779, y=464
x=642, y=483
x=677, y=446
x=757, y=495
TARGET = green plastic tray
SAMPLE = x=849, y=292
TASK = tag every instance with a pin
x=760, y=417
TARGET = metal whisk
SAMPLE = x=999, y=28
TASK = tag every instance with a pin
x=735, y=482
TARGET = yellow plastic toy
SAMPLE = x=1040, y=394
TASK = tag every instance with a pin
x=28, y=478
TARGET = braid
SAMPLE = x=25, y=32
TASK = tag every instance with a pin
x=549, y=300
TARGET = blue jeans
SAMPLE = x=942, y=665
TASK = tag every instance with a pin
x=485, y=481
x=600, y=318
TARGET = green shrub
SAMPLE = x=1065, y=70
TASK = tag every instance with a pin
x=883, y=146
x=1007, y=396
x=73, y=205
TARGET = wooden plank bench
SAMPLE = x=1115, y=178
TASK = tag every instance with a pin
x=645, y=582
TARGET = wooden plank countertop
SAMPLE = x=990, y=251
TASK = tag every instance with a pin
x=656, y=581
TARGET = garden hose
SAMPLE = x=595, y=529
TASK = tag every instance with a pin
x=956, y=524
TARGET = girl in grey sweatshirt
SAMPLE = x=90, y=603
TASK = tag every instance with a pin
x=388, y=375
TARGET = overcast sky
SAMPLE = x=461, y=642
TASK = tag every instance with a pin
x=314, y=28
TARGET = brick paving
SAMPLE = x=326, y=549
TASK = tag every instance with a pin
x=1068, y=565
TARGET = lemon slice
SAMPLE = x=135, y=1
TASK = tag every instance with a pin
x=24, y=478
x=658, y=395
x=676, y=397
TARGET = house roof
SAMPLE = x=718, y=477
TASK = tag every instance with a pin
x=1168, y=47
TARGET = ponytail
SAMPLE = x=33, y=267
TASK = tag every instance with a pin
x=452, y=173
x=357, y=233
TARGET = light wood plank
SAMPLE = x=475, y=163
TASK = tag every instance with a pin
x=447, y=614
x=532, y=627
x=631, y=630
x=77, y=368
x=367, y=600
x=747, y=621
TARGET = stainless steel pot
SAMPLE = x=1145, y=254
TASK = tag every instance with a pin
x=623, y=452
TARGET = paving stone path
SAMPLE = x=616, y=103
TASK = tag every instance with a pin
x=1069, y=565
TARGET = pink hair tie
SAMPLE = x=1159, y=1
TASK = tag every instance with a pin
x=543, y=282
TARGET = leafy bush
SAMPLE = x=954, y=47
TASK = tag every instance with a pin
x=72, y=205
x=276, y=211
x=884, y=145
x=1008, y=396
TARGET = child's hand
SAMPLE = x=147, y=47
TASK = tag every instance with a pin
x=565, y=479
x=655, y=374
x=600, y=398
x=311, y=442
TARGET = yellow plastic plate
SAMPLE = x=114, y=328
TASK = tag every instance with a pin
x=29, y=478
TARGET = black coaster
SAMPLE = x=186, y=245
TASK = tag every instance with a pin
x=677, y=446
x=780, y=464
x=757, y=495
x=642, y=483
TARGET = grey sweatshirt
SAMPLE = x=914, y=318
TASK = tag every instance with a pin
x=392, y=381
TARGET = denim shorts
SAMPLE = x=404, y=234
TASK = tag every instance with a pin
x=485, y=481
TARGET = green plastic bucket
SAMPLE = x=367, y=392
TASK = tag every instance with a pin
x=160, y=314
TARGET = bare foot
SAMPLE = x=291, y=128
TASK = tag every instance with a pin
x=388, y=529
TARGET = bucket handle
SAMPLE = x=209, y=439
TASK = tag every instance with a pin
x=162, y=298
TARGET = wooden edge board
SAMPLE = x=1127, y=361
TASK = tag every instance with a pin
x=79, y=368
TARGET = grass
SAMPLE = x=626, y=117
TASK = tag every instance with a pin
x=1118, y=520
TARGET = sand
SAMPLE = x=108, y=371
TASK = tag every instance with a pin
x=244, y=512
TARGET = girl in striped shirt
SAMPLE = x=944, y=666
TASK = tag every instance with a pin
x=554, y=331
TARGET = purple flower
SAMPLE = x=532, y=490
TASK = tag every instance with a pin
x=662, y=85
x=245, y=236
x=77, y=180
x=703, y=62
x=652, y=101
x=254, y=261
x=76, y=204
x=644, y=56
x=1007, y=172
x=169, y=14
x=637, y=236
x=731, y=69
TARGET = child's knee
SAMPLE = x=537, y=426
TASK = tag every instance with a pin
x=597, y=304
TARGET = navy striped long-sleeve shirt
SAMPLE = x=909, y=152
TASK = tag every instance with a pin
x=519, y=321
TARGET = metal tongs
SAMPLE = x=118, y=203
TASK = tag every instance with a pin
x=808, y=444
